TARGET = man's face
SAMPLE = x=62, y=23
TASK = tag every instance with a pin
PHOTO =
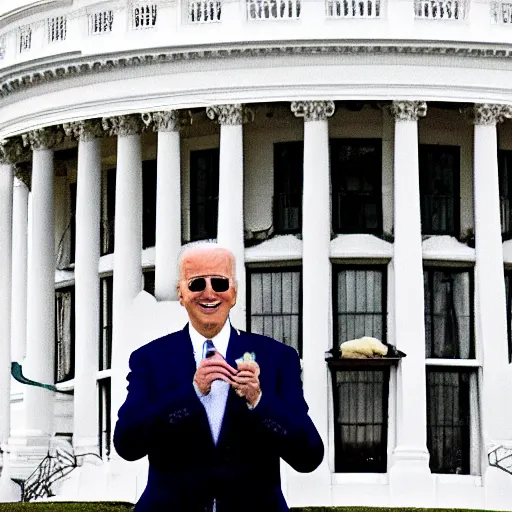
x=207, y=310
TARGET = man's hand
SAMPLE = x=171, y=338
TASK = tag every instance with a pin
x=247, y=382
x=210, y=369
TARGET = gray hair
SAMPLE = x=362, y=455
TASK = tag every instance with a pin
x=204, y=245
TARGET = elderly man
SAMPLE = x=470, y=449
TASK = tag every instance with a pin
x=215, y=408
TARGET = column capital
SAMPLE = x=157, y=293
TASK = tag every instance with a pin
x=487, y=114
x=167, y=120
x=12, y=150
x=123, y=126
x=230, y=115
x=23, y=175
x=408, y=110
x=85, y=130
x=43, y=138
x=313, y=110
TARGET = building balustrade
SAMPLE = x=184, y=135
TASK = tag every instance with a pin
x=273, y=9
x=57, y=29
x=144, y=15
x=501, y=12
x=101, y=22
x=440, y=9
x=353, y=8
x=204, y=11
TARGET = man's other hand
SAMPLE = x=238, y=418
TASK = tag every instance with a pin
x=210, y=369
x=247, y=382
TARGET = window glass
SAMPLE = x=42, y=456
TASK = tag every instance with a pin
x=108, y=213
x=148, y=203
x=106, y=291
x=64, y=334
x=505, y=181
x=105, y=428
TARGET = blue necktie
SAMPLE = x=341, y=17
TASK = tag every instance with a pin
x=208, y=348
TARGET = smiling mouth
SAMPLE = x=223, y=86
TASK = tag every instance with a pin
x=209, y=306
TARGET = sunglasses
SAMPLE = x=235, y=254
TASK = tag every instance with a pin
x=218, y=284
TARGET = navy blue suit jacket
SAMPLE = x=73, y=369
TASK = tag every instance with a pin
x=163, y=418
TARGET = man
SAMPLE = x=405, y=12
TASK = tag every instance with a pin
x=214, y=428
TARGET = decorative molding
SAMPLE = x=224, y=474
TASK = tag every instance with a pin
x=487, y=114
x=43, y=138
x=85, y=130
x=313, y=110
x=167, y=121
x=12, y=150
x=32, y=74
x=408, y=110
x=122, y=126
x=230, y=115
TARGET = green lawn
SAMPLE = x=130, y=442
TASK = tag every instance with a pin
x=126, y=507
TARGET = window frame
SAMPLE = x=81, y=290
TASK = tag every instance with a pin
x=275, y=269
x=336, y=179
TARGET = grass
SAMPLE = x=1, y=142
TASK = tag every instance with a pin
x=127, y=507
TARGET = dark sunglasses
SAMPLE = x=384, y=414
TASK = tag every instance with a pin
x=218, y=284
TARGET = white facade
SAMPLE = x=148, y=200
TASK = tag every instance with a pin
x=175, y=94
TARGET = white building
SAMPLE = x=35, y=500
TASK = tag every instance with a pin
x=357, y=154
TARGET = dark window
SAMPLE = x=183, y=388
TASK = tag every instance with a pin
x=64, y=334
x=204, y=193
x=109, y=214
x=448, y=419
x=149, y=281
x=448, y=313
x=360, y=394
x=105, y=406
x=106, y=291
x=72, y=245
x=288, y=165
x=148, y=203
x=439, y=189
x=274, y=299
x=356, y=174
x=508, y=292
x=505, y=179
x=360, y=299
x=360, y=412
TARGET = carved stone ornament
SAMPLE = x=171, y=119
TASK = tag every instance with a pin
x=24, y=175
x=43, y=138
x=122, y=126
x=408, y=110
x=167, y=121
x=88, y=129
x=488, y=114
x=313, y=110
x=12, y=150
x=230, y=115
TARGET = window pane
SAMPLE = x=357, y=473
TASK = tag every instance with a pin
x=105, y=355
x=288, y=165
x=360, y=307
x=64, y=334
x=204, y=193
x=148, y=203
x=360, y=405
x=275, y=305
x=109, y=213
x=439, y=189
x=149, y=281
x=356, y=173
x=105, y=429
x=448, y=420
x=504, y=170
x=448, y=311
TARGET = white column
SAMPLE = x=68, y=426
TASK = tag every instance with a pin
x=87, y=287
x=168, y=202
x=230, y=226
x=39, y=364
x=6, y=185
x=316, y=277
x=490, y=289
x=127, y=244
x=410, y=480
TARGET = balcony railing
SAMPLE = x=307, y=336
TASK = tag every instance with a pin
x=273, y=9
x=440, y=9
x=144, y=15
x=204, y=11
x=101, y=22
x=353, y=8
x=501, y=12
x=57, y=29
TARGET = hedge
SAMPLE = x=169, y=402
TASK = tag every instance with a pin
x=58, y=506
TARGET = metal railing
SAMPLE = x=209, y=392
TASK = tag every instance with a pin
x=204, y=11
x=273, y=9
x=353, y=8
x=440, y=9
